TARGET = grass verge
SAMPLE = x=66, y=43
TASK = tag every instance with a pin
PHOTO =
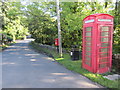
x=76, y=67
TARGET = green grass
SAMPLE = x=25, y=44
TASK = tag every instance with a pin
x=76, y=67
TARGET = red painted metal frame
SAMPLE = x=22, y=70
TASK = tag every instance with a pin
x=92, y=21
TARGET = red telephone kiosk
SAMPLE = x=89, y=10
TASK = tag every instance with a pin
x=97, y=43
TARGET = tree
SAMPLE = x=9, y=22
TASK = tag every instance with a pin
x=116, y=39
x=71, y=19
x=12, y=12
x=41, y=24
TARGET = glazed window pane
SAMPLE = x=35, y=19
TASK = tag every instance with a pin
x=88, y=38
x=88, y=28
x=88, y=53
x=105, y=28
x=88, y=33
x=87, y=58
x=104, y=33
x=103, y=65
x=103, y=54
x=104, y=60
x=88, y=48
x=104, y=39
x=104, y=50
x=88, y=43
x=104, y=44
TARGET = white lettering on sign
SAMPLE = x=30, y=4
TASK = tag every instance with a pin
x=107, y=20
x=88, y=21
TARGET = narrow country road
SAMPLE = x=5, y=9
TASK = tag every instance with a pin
x=24, y=68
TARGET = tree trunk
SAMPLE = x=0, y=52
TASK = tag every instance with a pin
x=106, y=3
x=14, y=38
x=24, y=37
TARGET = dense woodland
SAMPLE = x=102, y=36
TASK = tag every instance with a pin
x=39, y=19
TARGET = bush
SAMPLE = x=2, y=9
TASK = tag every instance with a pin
x=5, y=38
x=9, y=39
x=116, y=48
x=116, y=63
x=20, y=37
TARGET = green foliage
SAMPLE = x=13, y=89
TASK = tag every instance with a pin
x=71, y=24
x=41, y=22
x=39, y=49
x=5, y=38
x=38, y=17
x=72, y=16
x=13, y=25
x=116, y=40
x=116, y=44
x=41, y=25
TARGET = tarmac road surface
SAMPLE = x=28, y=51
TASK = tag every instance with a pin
x=22, y=67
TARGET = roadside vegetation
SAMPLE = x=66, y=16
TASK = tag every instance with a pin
x=5, y=41
x=11, y=23
x=76, y=66
x=2, y=47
